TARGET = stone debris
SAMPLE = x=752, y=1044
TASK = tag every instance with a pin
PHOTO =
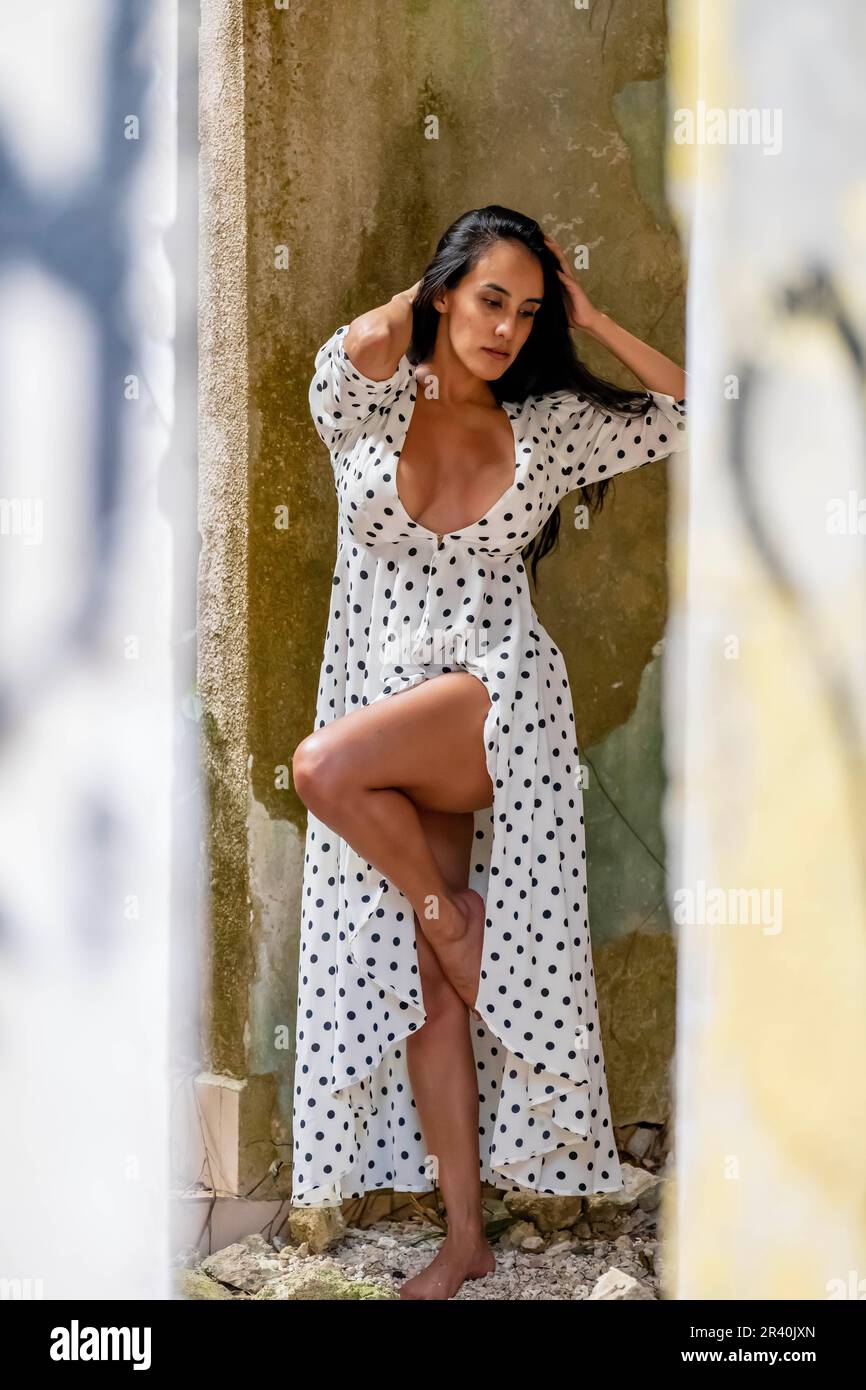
x=246, y=1266
x=547, y=1213
x=615, y=1283
x=192, y=1283
x=519, y=1232
x=641, y=1142
x=320, y=1280
x=554, y=1248
x=317, y=1227
x=534, y=1244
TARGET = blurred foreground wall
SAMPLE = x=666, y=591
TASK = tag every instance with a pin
x=98, y=797
x=765, y=685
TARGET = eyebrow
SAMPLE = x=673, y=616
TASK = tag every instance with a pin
x=530, y=298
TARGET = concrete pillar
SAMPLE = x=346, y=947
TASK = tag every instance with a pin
x=766, y=684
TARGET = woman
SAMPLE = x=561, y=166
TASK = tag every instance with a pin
x=447, y=1015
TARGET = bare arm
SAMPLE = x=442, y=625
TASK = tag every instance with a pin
x=377, y=339
x=655, y=371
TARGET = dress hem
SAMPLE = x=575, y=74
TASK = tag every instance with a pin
x=503, y=1187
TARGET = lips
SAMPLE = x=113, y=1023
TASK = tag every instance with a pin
x=496, y=353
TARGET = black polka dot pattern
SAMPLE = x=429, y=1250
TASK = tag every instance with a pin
x=407, y=604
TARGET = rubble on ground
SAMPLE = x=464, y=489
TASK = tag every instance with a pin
x=562, y=1248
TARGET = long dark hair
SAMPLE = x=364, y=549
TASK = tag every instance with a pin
x=546, y=362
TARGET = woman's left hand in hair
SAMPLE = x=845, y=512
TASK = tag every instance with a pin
x=652, y=368
x=581, y=312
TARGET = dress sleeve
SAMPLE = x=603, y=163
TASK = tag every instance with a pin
x=341, y=397
x=588, y=443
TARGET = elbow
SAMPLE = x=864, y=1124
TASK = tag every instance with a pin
x=368, y=347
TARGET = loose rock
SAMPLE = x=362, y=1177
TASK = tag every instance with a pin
x=532, y=1243
x=545, y=1212
x=616, y=1284
x=319, y=1227
x=247, y=1266
x=192, y=1283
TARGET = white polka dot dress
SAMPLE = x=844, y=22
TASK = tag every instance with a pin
x=407, y=604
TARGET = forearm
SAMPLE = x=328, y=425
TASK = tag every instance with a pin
x=655, y=371
x=377, y=339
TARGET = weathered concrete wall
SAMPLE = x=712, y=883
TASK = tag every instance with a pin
x=223, y=619
x=325, y=194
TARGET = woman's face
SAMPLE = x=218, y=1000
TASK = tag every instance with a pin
x=493, y=308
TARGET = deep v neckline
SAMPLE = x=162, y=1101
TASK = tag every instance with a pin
x=505, y=406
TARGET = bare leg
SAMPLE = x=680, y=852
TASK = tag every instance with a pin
x=442, y=1069
x=367, y=774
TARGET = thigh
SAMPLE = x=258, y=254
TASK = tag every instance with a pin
x=427, y=741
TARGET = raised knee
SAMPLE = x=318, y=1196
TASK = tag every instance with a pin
x=316, y=774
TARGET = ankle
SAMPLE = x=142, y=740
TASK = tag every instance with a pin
x=466, y=1237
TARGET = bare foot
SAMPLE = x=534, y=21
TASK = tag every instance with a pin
x=460, y=956
x=446, y=1272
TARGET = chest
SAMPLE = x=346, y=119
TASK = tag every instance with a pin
x=454, y=464
x=483, y=518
